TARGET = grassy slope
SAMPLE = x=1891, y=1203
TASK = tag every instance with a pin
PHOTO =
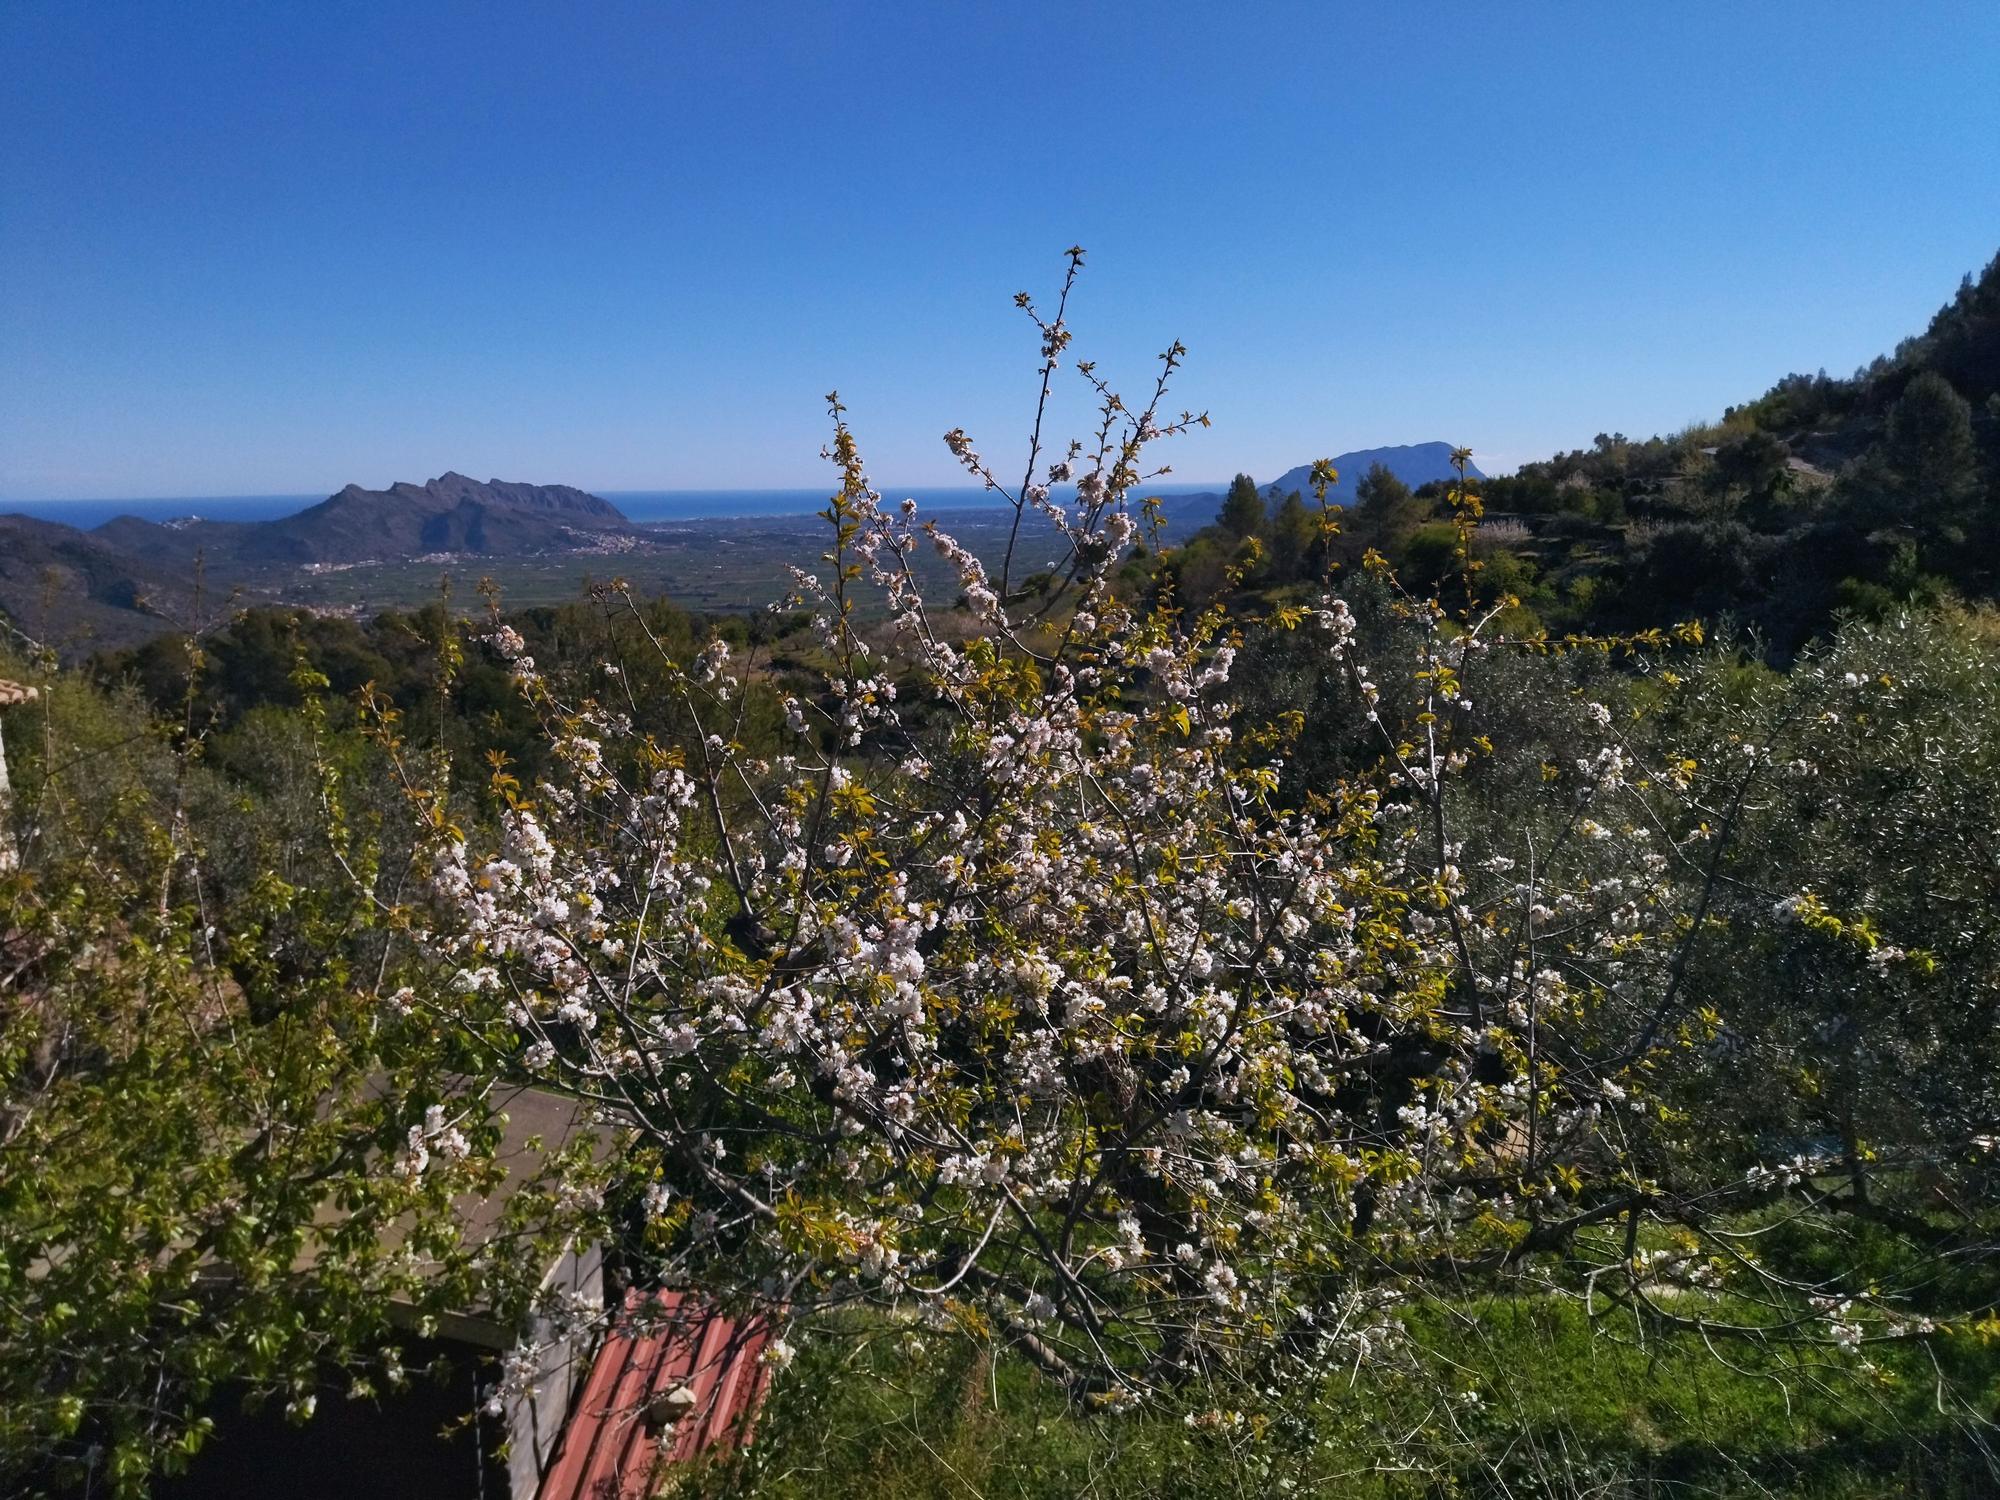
x=1518, y=1397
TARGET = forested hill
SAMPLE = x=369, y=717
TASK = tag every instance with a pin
x=49, y=571
x=1825, y=495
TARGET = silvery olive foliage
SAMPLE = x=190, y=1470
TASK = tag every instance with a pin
x=1851, y=969
x=1010, y=994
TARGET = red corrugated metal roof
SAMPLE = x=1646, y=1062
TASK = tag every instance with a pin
x=615, y=1438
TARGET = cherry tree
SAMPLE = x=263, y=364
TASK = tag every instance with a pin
x=1011, y=994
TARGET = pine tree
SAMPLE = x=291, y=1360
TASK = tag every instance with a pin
x=1932, y=456
x=1294, y=539
x=1385, y=508
x=1242, y=508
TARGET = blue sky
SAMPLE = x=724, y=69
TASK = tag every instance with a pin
x=277, y=248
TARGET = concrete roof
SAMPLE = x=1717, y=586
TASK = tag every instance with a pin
x=536, y=1125
x=532, y=1115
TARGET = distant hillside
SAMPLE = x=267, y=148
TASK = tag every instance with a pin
x=130, y=579
x=65, y=586
x=449, y=514
x=1415, y=464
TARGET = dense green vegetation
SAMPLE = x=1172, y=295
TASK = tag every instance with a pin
x=1507, y=1386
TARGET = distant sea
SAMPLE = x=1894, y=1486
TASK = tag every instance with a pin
x=89, y=513
x=644, y=507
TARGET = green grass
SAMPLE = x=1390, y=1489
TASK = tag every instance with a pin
x=1497, y=1397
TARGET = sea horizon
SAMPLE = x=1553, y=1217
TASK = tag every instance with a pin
x=641, y=507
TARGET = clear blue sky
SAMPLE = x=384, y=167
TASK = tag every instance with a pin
x=274, y=248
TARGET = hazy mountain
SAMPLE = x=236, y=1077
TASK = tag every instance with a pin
x=448, y=514
x=129, y=579
x=1413, y=463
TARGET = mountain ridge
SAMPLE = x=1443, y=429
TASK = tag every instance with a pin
x=451, y=513
x=125, y=580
